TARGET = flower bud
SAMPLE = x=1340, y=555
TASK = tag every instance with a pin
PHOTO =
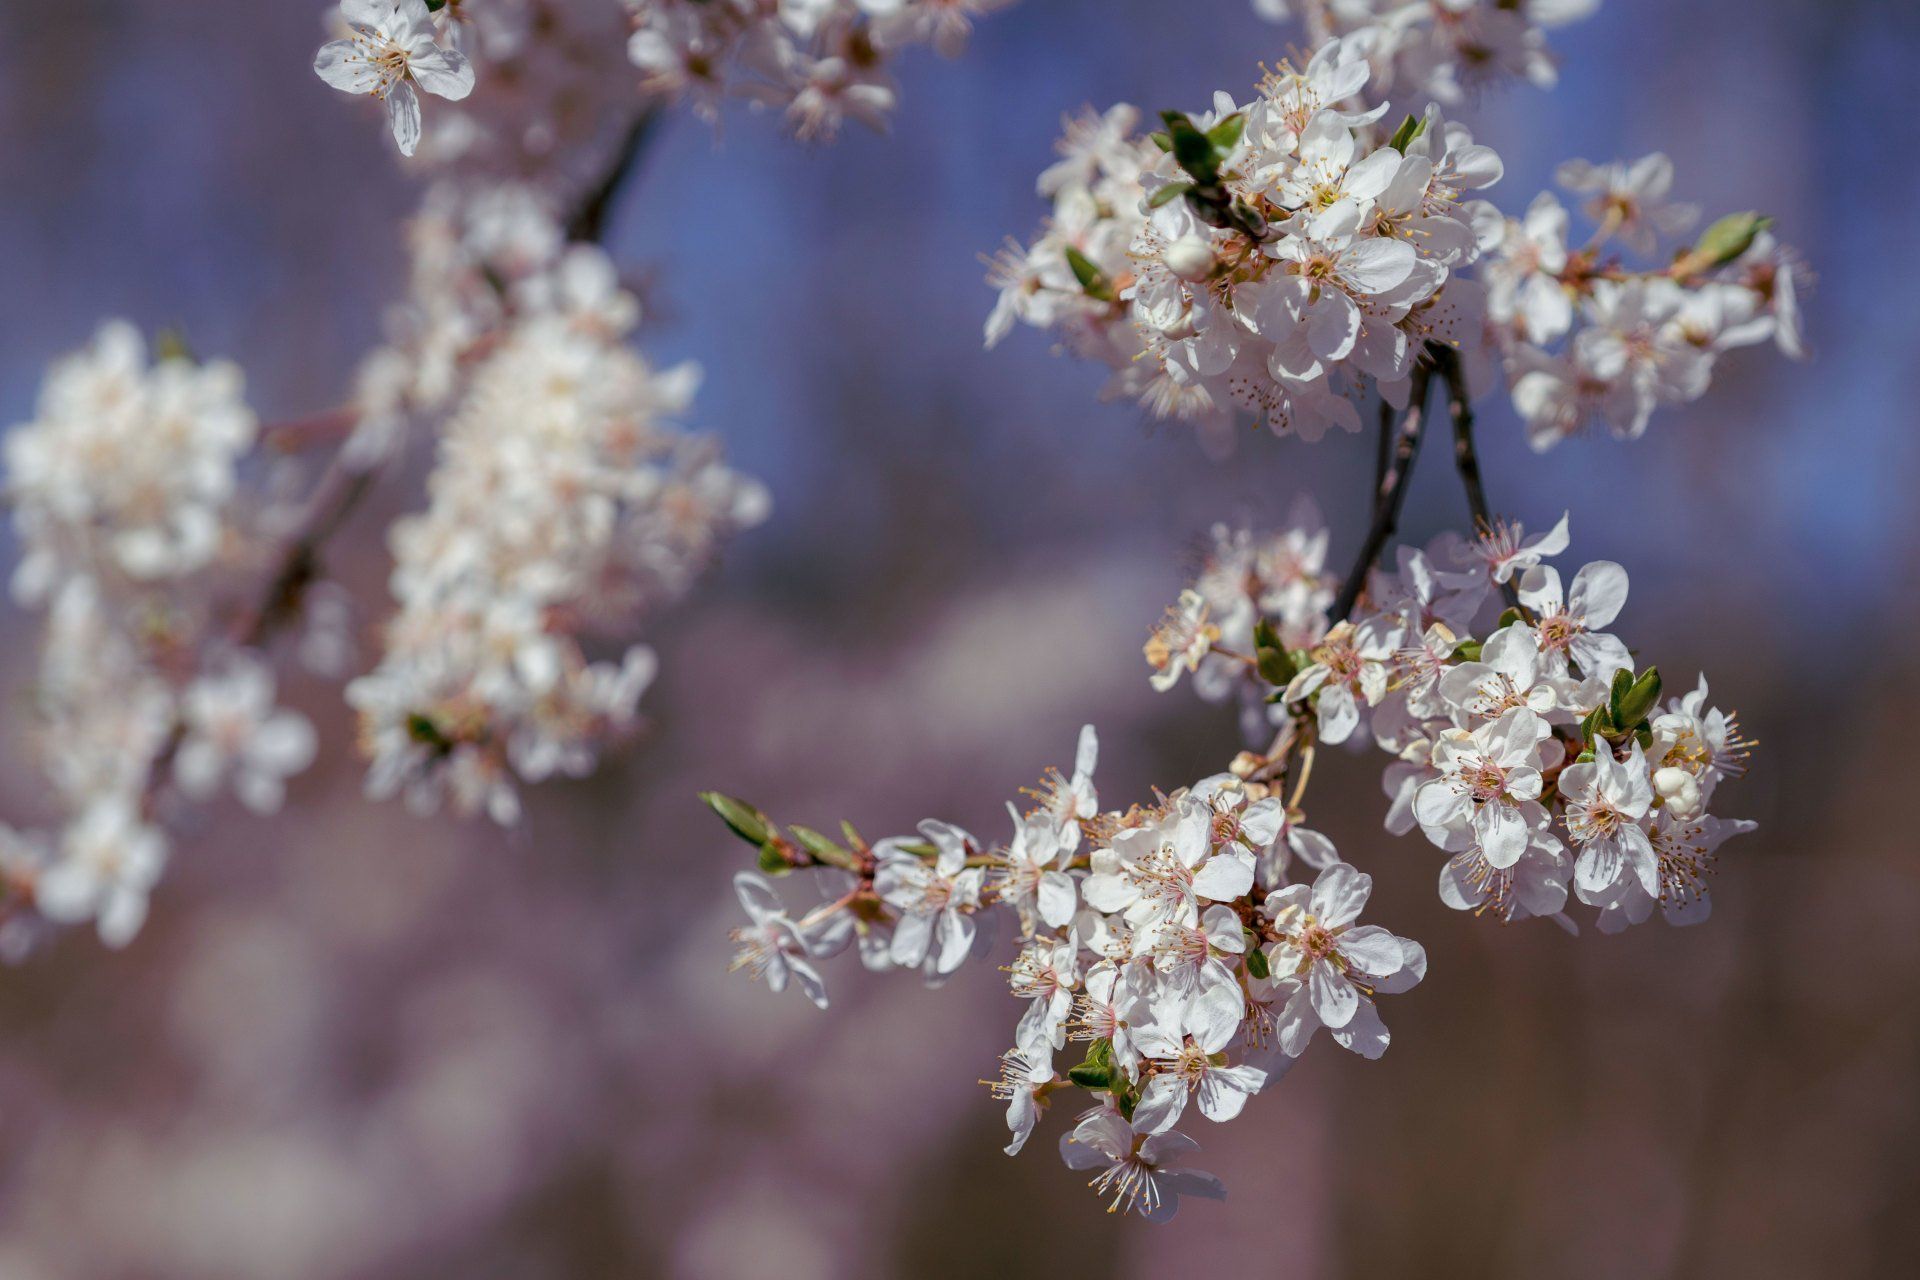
x=1190, y=258
x=1679, y=790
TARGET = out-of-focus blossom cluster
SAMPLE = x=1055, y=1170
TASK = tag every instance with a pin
x=564, y=505
x=1444, y=50
x=1590, y=338
x=1283, y=258
x=553, y=73
x=124, y=494
x=821, y=62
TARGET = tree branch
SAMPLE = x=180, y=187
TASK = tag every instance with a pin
x=1460, y=407
x=1391, y=492
x=588, y=220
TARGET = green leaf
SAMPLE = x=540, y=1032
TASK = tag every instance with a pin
x=172, y=344
x=821, y=847
x=1595, y=725
x=773, y=861
x=1409, y=130
x=852, y=836
x=1093, y=281
x=1507, y=619
x=1257, y=962
x=1622, y=683
x=1727, y=239
x=746, y=821
x=1096, y=1071
x=1161, y=139
x=1192, y=149
x=1225, y=136
x=1168, y=194
x=1633, y=706
x=1468, y=651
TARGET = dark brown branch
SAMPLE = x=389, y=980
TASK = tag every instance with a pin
x=1465, y=458
x=588, y=220
x=1390, y=495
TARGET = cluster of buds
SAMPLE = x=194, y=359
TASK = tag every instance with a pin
x=1589, y=338
x=549, y=70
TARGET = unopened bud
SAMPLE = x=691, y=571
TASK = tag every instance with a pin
x=1190, y=258
x=1679, y=791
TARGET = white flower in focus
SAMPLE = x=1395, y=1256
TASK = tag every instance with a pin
x=391, y=49
x=1322, y=951
x=771, y=947
x=936, y=898
x=1489, y=787
x=1143, y=1171
x=1025, y=1080
x=1607, y=800
x=1183, y=1061
x=1569, y=622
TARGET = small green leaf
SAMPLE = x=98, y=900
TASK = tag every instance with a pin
x=172, y=344
x=1093, y=281
x=1161, y=139
x=1192, y=149
x=1468, y=651
x=1409, y=130
x=1257, y=962
x=746, y=821
x=1727, y=239
x=1225, y=136
x=1168, y=194
x=818, y=845
x=1507, y=619
x=1096, y=1071
x=1638, y=702
x=773, y=861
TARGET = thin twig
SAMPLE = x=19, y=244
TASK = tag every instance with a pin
x=589, y=218
x=1390, y=495
x=1465, y=457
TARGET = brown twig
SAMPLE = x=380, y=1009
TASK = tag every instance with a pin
x=1390, y=495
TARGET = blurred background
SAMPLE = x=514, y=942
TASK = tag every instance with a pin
x=355, y=1044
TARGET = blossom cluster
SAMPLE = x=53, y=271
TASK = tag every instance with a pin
x=1170, y=946
x=1284, y=258
x=555, y=72
x=125, y=495
x=1588, y=338
x=564, y=505
x=1536, y=756
x=1290, y=259
x=1443, y=50
x=1195, y=944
